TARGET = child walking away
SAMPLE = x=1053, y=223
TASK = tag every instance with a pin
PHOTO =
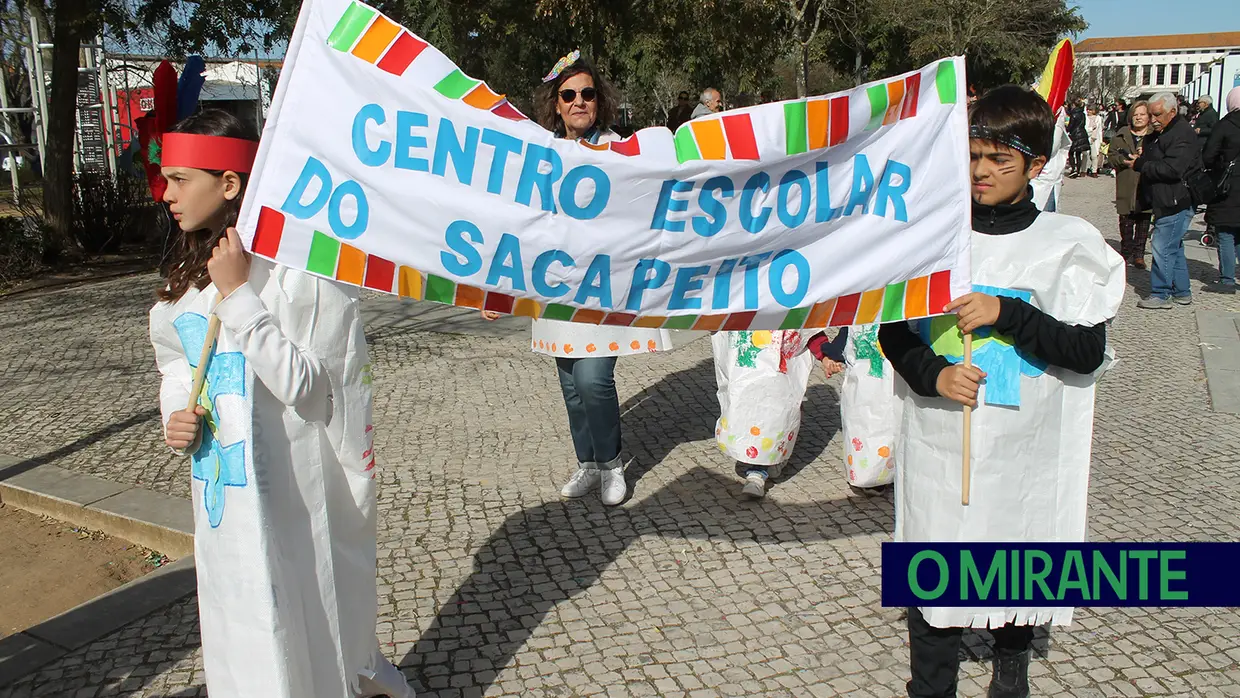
x=869, y=408
x=279, y=440
x=1045, y=285
x=762, y=376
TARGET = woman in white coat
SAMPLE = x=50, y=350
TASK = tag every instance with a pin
x=576, y=103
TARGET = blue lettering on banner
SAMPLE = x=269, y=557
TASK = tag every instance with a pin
x=371, y=157
x=462, y=154
x=670, y=204
x=782, y=261
x=469, y=261
x=406, y=141
x=798, y=179
x=688, y=279
x=642, y=280
x=533, y=177
x=750, y=221
x=541, y=265
x=507, y=263
x=568, y=192
x=597, y=283
x=504, y=145
x=331, y=197
x=713, y=207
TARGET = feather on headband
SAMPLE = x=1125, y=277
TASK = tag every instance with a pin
x=561, y=65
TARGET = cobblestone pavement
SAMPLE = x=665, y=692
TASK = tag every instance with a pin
x=491, y=585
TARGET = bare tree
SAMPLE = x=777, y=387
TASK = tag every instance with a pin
x=1099, y=84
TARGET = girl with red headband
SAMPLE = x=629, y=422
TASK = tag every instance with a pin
x=279, y=437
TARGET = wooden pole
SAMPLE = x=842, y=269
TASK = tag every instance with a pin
x=200, y=373
x=968, y=419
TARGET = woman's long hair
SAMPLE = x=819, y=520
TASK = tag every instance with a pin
x=186, y=264
x=547, y=98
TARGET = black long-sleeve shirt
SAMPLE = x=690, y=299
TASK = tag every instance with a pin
x=1078, y=348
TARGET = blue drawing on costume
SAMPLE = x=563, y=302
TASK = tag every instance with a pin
x=218, y=466
x=995, y=354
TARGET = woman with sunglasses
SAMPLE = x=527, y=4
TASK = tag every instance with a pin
x=575, y=102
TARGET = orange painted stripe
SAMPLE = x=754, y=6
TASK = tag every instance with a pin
x=820, y=314
x=709, y=135
x=469, y=297
x=871, y=303
x=595, y=146
x=593, y=317
x=376, y=39
x=352, y=266
x=818, y=111
x=895, y=97
x=410, y=285
x=710, y=323
x=917, y=297
x=649, y=321
x=526, y=308
x=482, y=97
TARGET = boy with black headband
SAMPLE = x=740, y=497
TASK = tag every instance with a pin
x=1045, y=285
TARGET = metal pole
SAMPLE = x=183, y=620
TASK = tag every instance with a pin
x=39, y=77
x=109, y=134
x=8, y=126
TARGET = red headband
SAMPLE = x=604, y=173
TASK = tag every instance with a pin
x=207, y=152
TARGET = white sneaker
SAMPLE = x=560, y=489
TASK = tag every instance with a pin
x=614, y=487
x=580, y=484
x=755, y=486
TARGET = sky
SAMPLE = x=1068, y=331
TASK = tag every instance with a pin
x=1147, y=17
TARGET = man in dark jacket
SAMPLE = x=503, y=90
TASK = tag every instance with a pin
x=1166, y=158
x=1206, y=119
x=1221, y=155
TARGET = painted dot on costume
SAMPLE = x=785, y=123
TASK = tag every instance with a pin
x=553, y=346
x=723, y=447
x=856, y=444
x=751, y=452
x=852, y=474
x=540, y=344
x=568, y=348
x=791, y=435
x=652, y=345
x=591, y=348
x=724, y=422
x=766, y=444
x=883, y=451
x=850, y=460
x=755, y=431
x=761, y=338
x=614, y=346
x=635, y=344
x=718, y=431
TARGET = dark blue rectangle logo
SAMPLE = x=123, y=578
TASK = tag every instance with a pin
x=1061, y=574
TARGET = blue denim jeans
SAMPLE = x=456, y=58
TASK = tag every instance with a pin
x=589, y=387
x=1169, y=275
x=1228, y=253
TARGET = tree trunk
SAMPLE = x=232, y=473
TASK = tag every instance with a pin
x=71, y=27
x=803, y=72
x=857, y=69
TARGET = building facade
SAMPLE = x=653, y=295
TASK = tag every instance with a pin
x=1149, y=64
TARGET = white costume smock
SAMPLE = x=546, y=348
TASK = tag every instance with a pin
x=283, y=489
x=762, y=377
x=1032, y=428
x=869, y=410
x=1048, y=184
x=578, y=340
x=1094, y=127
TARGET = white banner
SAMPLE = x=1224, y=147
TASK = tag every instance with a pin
x=383, y=165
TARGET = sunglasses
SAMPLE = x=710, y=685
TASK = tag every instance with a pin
x=570, y=96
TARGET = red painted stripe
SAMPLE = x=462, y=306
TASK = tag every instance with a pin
x=402, y=53
x=845, y=310
x=839, y=120
x=619, y=319
x=628, y=146
x=738, y=321
x=379, y=274
x=940, y=291
x=267, y=236
x=508, y=111
x=912, y=88
x=499, y=302
x=741, y=140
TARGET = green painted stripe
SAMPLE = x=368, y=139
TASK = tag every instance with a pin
x=456, y=85
x=878, y=105
x=893, y=302
x=350, y=26
x=795, y=125
x=680, y=322
x=686, y=147
x=795, y=319
x=439, y=289
x=559, y=311
x=324, y=252
x=945, y=81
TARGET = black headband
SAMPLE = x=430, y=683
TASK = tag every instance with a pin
x=988, y=134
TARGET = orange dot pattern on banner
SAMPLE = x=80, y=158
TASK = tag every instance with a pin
x=591, y=348
x=883, y=451
x=553, y=346
x=755, y=431
x=568, y=348
x=635, y=344
x=652, y=345
x=614, y=346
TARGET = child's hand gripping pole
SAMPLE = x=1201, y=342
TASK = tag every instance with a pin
x=968, y=418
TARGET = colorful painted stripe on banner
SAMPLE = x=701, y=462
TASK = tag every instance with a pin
x=459, y=86
x=729, y=137
x=815, y=124
x=341, y=261
x=375, y=39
